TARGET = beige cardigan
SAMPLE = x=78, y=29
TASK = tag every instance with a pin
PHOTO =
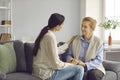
x=91, y=52
x=47, y=59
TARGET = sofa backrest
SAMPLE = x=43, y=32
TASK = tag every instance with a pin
x=29, y=56
x=20, y=56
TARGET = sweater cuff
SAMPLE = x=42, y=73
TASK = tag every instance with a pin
x=85, y=68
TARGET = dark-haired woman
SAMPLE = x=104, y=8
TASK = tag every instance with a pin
x=46, y=63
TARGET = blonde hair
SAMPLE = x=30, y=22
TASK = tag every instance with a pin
x=92, y=21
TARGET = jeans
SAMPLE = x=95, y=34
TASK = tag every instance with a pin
x=74, y=72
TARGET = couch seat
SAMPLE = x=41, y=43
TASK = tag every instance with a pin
x=21, y=76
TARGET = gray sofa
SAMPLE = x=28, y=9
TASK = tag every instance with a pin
x=112, y=69
x=24, y=64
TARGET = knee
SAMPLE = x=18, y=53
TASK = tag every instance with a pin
x=80, y=69
x=94, y=75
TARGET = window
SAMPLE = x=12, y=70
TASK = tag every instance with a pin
x=112, y=11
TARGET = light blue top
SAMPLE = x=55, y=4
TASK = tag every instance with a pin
x=92, y=64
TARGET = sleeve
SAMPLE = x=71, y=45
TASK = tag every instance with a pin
x=97, y=61
x=62, y=49
x=53, y=57
x=69, y=53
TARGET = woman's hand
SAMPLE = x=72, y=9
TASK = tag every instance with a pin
x=73, y=61
x=81, y=63
x=76, y=62
x=71, y=40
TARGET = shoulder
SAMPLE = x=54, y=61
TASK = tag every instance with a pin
x=76, y=40
x=48, y=36
x=77, y=37
x=97, y=39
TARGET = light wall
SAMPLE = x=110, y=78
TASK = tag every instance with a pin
x=30, y=16
x=94, y=9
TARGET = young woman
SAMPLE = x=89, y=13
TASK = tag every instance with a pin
x=46, y=63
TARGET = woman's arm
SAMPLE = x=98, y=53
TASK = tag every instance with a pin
x=52, y=56
x=69, y=54
x=64, y=47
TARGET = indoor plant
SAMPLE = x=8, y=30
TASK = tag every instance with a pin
x=109, y=24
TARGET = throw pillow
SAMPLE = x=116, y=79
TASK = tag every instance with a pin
x=7, y=58
x=2, y=76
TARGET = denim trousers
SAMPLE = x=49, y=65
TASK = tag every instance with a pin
x=74, y=72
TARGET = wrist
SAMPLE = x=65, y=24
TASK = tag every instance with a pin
x=70, y=60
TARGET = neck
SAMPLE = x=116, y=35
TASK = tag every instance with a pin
x=53, y=30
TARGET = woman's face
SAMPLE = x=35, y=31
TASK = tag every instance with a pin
x=86, y=29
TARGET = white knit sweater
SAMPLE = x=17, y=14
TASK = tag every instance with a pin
x=91, y=51
x=47, y=60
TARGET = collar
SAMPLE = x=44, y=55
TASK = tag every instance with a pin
x=83, y=39
x=51, y=32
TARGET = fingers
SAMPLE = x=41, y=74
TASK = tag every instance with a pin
x=82, y=63
x=78, y=62
x=70, y=60
x=75, y=61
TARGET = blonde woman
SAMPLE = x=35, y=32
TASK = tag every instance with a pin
x=87, y=50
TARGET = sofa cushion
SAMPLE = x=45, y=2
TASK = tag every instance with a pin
x=110, y=75
x=29, y=56
x=20, y=55
x=7, y=58
x=2, y=76
x=21, y=76
x=111, y=65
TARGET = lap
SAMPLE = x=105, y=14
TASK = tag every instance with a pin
x=94, y=74
x=66, y=73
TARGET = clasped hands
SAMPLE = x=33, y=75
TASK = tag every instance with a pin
x=76, y=62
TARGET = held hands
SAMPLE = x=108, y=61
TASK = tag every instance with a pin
x=71, y=40
x=77, y=62
x=81, y=63
x=73, y=61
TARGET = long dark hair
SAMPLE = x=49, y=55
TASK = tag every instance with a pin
x=54, y=20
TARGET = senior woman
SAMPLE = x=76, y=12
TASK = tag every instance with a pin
x=87, y=50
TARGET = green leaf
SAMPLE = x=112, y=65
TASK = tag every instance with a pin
x=109, y=23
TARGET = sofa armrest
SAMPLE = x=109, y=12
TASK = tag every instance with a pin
x=2, y=76
x=111, y=65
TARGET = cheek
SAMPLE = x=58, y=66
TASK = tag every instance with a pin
x=83, y=30
x=90, y=30
x=58, y=28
